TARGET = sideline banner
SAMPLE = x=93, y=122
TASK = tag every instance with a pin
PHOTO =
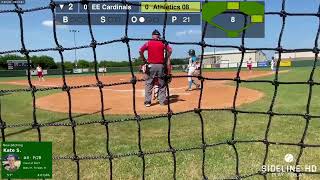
x=35, y=73
x=285, y=63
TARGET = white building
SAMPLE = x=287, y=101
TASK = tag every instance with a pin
x=296, y=56
x=232, y=58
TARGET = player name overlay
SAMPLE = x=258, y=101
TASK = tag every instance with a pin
x=26, y=160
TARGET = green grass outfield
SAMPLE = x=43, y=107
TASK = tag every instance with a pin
x=186, y=132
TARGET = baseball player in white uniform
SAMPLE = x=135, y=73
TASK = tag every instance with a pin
x=193, y=69
x=273, y=64
x=40, y=73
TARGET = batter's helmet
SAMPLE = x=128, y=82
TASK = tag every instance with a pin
x=156, y=32
x=192, y=52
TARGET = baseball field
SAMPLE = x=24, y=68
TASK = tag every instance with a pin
x=284, y=131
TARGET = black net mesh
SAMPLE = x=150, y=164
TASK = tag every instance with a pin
x=198, y=110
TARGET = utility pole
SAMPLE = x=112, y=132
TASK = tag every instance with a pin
x=75, y=45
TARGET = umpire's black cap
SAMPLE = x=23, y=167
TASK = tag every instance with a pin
x=156, y=32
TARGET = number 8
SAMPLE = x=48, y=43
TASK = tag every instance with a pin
x=233, y=19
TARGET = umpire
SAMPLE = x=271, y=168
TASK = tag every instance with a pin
x=156, y=67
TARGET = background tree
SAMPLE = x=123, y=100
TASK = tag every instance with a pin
x=46, y=62
x=67, y=65
x=83, y=64
x=3, y=59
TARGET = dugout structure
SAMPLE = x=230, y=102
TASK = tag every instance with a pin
x=170, y=149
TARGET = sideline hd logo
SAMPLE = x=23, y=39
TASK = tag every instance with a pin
x=288, y=169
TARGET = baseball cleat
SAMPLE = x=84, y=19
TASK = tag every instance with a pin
x=147, y=104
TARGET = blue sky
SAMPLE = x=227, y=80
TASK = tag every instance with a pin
x=299, y=33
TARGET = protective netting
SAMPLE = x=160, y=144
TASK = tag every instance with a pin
x=110, y=156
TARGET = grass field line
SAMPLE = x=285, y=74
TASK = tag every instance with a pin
x=91, y=88
x=214, y=82
x=141, y=91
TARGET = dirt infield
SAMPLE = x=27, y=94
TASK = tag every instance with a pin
x=119, y=99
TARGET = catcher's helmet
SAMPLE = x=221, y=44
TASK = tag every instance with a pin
x=192, y=52
x=156, y=32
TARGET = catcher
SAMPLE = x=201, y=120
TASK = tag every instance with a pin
x=156, y=84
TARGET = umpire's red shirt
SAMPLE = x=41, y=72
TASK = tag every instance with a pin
x=156, y=51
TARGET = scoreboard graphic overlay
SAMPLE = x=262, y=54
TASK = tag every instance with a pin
x=226, y=19
x=230, y=19
x=144, y=13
